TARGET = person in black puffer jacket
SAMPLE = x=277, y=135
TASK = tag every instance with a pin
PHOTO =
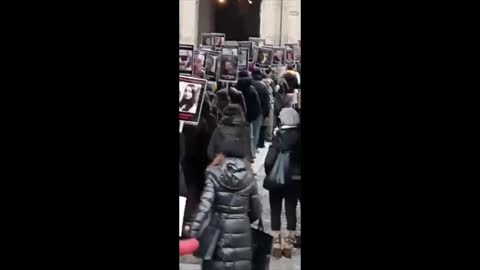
x=286, y=139
x=230, y=191
x=232, y=127
x=254, y=107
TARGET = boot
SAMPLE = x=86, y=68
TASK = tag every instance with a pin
x=277, y=244
x=298, y=241
x=288, y=244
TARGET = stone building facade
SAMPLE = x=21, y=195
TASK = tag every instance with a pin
x=279, y=20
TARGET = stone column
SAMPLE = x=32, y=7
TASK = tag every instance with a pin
x=280, y=21
x=188, y=21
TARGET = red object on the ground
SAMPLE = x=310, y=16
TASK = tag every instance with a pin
x=189, y=246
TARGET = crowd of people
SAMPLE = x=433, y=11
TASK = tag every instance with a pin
x=216, y=158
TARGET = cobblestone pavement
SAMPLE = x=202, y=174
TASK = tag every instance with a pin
x=191, y=263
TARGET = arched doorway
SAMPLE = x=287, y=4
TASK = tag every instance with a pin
x=238, y=19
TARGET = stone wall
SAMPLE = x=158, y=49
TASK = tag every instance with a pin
x=280, y=21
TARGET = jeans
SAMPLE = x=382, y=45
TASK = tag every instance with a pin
x=256, y=125
x=270, y=124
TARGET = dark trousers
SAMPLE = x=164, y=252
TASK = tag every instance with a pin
x=261, y=137
x=291, y=194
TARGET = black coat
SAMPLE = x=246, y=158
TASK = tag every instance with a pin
x=236, y=97
x=263, y=95
x=288, y=140
x=252, y=101
x=231, y=191
x=231, y=138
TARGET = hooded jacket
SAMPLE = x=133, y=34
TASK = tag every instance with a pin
x=263, y=93
x=235, y=96
x=252, y=101
x=232, y=137
x=230, y=191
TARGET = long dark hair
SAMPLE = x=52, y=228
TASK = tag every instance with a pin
x=188, y=102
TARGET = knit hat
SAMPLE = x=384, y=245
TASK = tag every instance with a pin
x=289, y=117
x=243, y=74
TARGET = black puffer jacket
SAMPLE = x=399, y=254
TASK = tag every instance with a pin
x=231, y=191
x=289, y=140
x=252, y=101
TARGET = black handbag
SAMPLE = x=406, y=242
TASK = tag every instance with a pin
x=262, y=244
x=278, y=176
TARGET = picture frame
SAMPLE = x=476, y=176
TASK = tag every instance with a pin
x=191, y=97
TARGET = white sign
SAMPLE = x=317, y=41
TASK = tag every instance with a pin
x=183, y=202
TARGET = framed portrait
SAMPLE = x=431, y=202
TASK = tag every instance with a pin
x=297, y=53
x=211, y=59
x=213, y=39
x=264, y=57
x=228, y=68
x=199, y=64
x=259, y=42
x=290, y=45
x=190, y=99
x=243, y=57
x=205, y=48
x=185, y=59
x=249, y=45
x=278, y=56
x=289, y=57
x=230, y=49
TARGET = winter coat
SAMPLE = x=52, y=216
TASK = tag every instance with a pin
x=230, y=191
x=263, y=95
x=287, y=139
x=236, y=97
x=252, y=100
x=225, y=138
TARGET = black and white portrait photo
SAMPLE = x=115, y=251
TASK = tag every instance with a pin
x=259, y=42
x=211, y=65
x=278, y=56
x=228, y=68
x=213, y=39
x=186, y=59
x=188, y=94
x=230, y=50
x=199, y=64
x=289, y=59
x=297, y=53
x=205, y=48
x=264, y=57
x=249, y=45
x=243, y=58
x=190, y=98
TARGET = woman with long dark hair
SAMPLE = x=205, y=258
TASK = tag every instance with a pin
x=231, y=194
x=189, y=99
